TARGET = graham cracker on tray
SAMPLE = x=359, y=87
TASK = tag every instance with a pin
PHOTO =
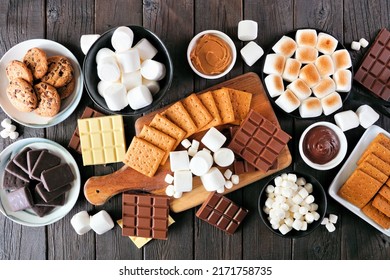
x=376, y=215
x=177, y=114
x=383, y=166
x=373, y=171
x=198, y=112
x=380, y=147
x=385, y=192
x=382, y=204
x=224, y=105
x=241, y=102
x=207, y=100
x=164, y=125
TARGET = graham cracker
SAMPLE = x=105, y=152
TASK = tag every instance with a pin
x=378, y=146
x=164, y=125
x=383, y=139
x=143, y=156
x=241, y=102
x=207, y=100
x=385, y=192
x=224, y=105
x=373, y=171
x=177, y=114
x=159, y=139
x=198, y=112
x=383, y=166
x=377, y=216
x=382, y=204
x=359, y=188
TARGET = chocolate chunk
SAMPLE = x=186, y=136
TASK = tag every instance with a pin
x=21, y=159
x=45, y=161
x=39, y=201
x=50, y=196
x=17, y=171
x=32, y=157
x=42, y=210
x=57, y=177
x=11, y=182
x=20, y=199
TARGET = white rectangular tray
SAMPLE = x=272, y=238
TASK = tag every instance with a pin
x=347, y=169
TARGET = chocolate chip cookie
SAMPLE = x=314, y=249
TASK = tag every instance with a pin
x=21, y=95
x=49, y=101
x=67, y=89
x=36, y=61
x=17, y=69
x=60, y=71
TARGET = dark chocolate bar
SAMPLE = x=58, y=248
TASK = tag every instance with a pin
x=11, y=182
x=20, y=199
x=42, y=210
x=38, y=200
x=57, y=177
x=15, y=170
x=32, y=157
x=45, y=161
x=21, y=159
x=50, y=196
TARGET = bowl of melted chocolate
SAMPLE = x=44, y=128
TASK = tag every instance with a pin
x=323, y=145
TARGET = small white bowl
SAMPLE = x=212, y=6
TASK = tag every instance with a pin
x=226, y=38
x=341, y=154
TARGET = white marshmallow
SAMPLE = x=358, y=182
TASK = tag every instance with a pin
x=302, y=210
x=224, y=157
x=310, y=108
x=81, y=222
x=228, y=173
x=129, y=60
x=247, y=30
x=325, y=87
x=301, y=181
x=363, y=42
x=86, y=41
x=313, y=207
x=153, y=70
x=285, y=46
x=274, y=84
x=278, y=181
x=343, y=80
x=235, y=179
x=213, y=180
x=168, y=178
x=153, y=86
x=11, y=128
x=6, y=123
x=182, y=181
x=288, y=101
x=316, y=216
x=306, y=54
x=297, y=224
x=102, y=53
x=274, y=64
x=108, y=69
x=333, y=218
x=13, y=135
x=195, y=144
x=169, y=191
x=355, y=45
x=330, y=227
x=139, y=97
x=186, y=143
x=291, y=70
x=326, y=43
x=213, y=139
x=179, y=160
x=325, y=221
x=367, y=116
x=192, y=151
x=177, y=194
x=115, y=97
x=270, y=189
x=331, y=103
x=309, y=218
x=303, y=193
x=221, y=190
x=306, y=37
x=131, y=80
x=201, y=163
x=346, y=120
x=4, y=133
x=297, y=199
x=101, y=222
x=228, y=185
x=251, y=53
x=145, y=49
x=122, y=38
x=341, y=59
x=309, y=199
x=102, y=85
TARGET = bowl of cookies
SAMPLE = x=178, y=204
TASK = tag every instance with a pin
x=42, y=81
x=127, y=71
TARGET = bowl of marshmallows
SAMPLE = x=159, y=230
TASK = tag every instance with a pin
x=127, y=71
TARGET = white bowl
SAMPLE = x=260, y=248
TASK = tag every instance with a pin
x=226, y=38
x=341, y=154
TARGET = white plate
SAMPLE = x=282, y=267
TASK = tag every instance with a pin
x=28, y=217
x=347, y=169
x=68, y=105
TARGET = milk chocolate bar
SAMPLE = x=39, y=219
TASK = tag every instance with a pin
x=20, y=199
x=57, y=177
x=221, y=212
x=50, y=196
x=21, y=159
x=45, y=161
x=11, y=182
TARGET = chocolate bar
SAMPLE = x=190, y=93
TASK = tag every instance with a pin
x=258, y=141
x=145, y=215
x=38, y=200
x=15, y=170
x=21, y=159
x=45, y=161
x=50, y=196
x=57, y=177
x=374, y=71
x=42, y=210
x=32, y=157
x=74, y=142
x=221, y=212
x=11, y=182
x=20, y=199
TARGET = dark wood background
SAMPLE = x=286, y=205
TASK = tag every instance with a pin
x=176, y=22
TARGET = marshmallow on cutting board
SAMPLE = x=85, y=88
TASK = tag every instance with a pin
x=213, y=139
x=86, y=41
x=201, y=163
x=182, y=181
x=115, y=96
x=179, y=160
x=139, y=97
x=101, y=222
x=367, y=116
x=213, y=180
x=224, y=157
x=122, y=38
x=346, y=120
x=81, y=222
x=153, y=70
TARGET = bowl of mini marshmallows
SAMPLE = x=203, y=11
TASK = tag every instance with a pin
x=292, y=204
x=127, y=71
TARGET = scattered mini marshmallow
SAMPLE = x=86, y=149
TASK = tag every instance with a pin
x=201, y=163
x=228, y=174
x=333, y=218
x=330, y=227
x=13, y=135
x=115, y=97
x=330, y=222
x=355, y=45
x=363, y=42
x=86, y=41
x=168, y=178
x=235, y=179
x=347, y=120
x=213, y=139
x=224, y=157
x=4, y=133
x=186, y=143
x=228, y=184
x=169, y=191
x=6, y=123
x=367, y=116
x=251, y=53
x=139, y=97
x=122, y=38
x=153, y=70
x=101, y=222
x=182, y=181
x=179, y=160
x=81, y=222
x=247, y=30
x=195, y=144
x=192, y=151
x=145, y=49
x=9, y=130
x=177, y=194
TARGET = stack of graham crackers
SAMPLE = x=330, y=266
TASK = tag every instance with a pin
x=193, y=114
x=368, y=187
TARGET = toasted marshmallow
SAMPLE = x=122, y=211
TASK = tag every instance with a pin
x=285, y=46
x=310, y=108
x=291, y=69
x=306, y=54
x=326, y=43
x=341, y=59
x=325, y=65
x=274, y=84
x=331, y=103
x=300, y=89
x=310, y=75
x=343, y=80
x=306, y=37
x=274, y=64
x=325, y=87
x=288, y=101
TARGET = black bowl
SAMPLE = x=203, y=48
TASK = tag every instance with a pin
x=319, y=196
x=91, y=78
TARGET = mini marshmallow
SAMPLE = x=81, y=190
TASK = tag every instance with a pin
x=284, y=176
x=177, y=194
x=139, y=97
x=206, y=150
x=102, y=85
x=186, y=143
x=310, y=108
x=192, y=151
x=153, y=70
x=108, y=69
x=224, y=157
x=145, y=49
x=309, y=199
x=301, y=181
x=227, y=174
x=122, y=38
x=213, y=180
x=13, y=135
x=6, y=123
x=330, y=227
x=331, y=103
x=346, y=120
x=182, y=181
x=325, y=221
x=131, y=80
x=363, y=42
x=201, y=163
x=270, y=189
x=195, y=144
x=179, y=160
x=285, y=46
x=326, y=43
x=288, y=101
x=367, y=116
x=129, y=60
x=292, y=177
x=115, y=96
x=4, y=133
x=313, y=207
x=274, y=85
x=333, y=218
x=247, y=30
x=291, y=70
x=168, y=178
x=235, y=179
x=316, y=216
x=213, y=139
x=303, y=193
x=309, y=187
x=343, y=80
x=11, y=128
x=86, y=41
x=297, y=224
x=302, y=210
x=278, y=181
x=153, y=86
x=102, y=53
x=81, y=222
x=309, y=218
x=355, y=45
x=274, y=64
x=221, y=190
x=251, y=53
x=325, y=87
x=288, y=222
x=169, y=191
x=228, y=185
x=101, y=222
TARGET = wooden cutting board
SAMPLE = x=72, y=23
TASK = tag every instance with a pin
x=100, y=189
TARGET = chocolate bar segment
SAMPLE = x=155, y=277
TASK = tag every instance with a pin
x=57, y=177
x=145, y=215
x=221, y=212
x=15, y=170
x=374, y=71
x=32, y=157
x=21, y=159
x=11, y=182
x=45, y=161
x=20, y=199
x=50, y=196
